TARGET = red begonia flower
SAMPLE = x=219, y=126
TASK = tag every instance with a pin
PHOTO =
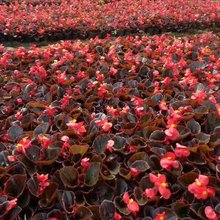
x=150, y=193
x=181, y=151
x=85, y=163
x=78, y=128
x=200, y=189
x=44, y=140
x=168, y=161
x=117, y=216
x=24, y=144
x=161, y=184
x=131, y=204
x=172, y=133
x=43, y=181
x=11, y=204
x=210, y=213
x=160, y=216
x=199, y=96
x=106, y=126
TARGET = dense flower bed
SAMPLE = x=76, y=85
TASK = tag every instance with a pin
x=111, y=129
x=61, y=19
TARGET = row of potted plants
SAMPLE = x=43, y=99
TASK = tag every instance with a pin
x=27, y=20
x=111, y=129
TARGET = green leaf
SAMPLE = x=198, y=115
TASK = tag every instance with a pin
x=79, y=149
x=41, y=129
x=100, y=143
x=107, y=210
x=15, y=185
x=48, y=196
x=69, y=176
x=92, y=174
x=14, y=132
x=187, y=179
x=140, y=165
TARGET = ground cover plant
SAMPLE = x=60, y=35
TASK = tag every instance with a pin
x=59, y=19
x=124, y=128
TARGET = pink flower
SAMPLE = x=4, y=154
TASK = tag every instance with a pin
x=109, y=145
x=12, y=158
x=50, y=110
x=106, y=126
x=43, y=182
x=44, y=140
x=140, y=111
x=150, y=193
x=78, y=128
x=81, y=75
x=161, y=185
x=65, y=146
x=131, y=204
x=39, y=71
x=62, y=78
x=19, y=101
x=125, y=110
x=181, y=151
x=65, y=138
x=102, y=90
x=199, y=96
x=134, y=171
x=89, y=58
x=163, y=105
x=113, y=71
x=117, y=216
x=65, y=101
x=168, y=161
x=210, y=213
x=19, y=116
x=200, y=189
x=137, y=101
x=85, y=163
x=99, y=77
x=11, y=204
x=24, y=144
x=166, y=81
x=112, y=111
x=172, y=133
x=160, y=216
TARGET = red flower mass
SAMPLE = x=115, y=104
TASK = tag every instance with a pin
x=113, y=128
x=42, y=18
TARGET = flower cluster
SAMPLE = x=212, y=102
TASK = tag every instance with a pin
x=24, y=144
x=78, y=127
x=160, y=185
x=132, y=205
x=200, y=188
x=43, y=182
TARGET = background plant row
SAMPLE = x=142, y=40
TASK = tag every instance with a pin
x=37, y=20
